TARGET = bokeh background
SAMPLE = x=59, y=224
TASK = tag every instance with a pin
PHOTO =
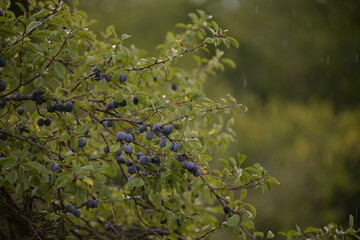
x=298, y=72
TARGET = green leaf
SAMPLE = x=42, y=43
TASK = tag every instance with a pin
x=243, y=194
x=21, y=7
x=273, y=181
x=40, y=168
x=270, y=234
x=42, y=13
x=7, y=30
x=125, y=36
x=173, y=236
x=259, y=235
x=209, y=40
x=351, y=221
x=12, y=176
x=80, y=195
x=5, y=19
x=193, y=16
x=38, y=82
x=86, y=35
x=216, y=26
x=60, y=70
x=313, y=230
x=233, y=221
x=226, y=42
x=229, y=62
x=32, y=26
x=137, y=182
x=233, y=41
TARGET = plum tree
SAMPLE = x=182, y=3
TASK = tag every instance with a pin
x=53, y=187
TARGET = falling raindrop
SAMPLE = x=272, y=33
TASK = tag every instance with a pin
x=284, y=44
x=356, y=58
x=245, y=81
x=230, y=4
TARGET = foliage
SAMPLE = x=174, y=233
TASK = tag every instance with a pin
x=100, y=141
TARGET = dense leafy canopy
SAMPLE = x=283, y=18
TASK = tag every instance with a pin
x=100, y=141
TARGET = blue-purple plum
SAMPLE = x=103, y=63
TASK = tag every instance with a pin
x=40, y=122
x=95, y=69
x=2, y=103
x=176, y=147
x=115, y=104
x=139, y=154
x=227, y=209
x=76, y=213
x=47, y=122
x=118, y=152
x=2, y=85
x=156, y=127
x=89, y=204
x=69, y=207
x=60, y=107
x=97, y=76
x=149, y=135
x=20, y=111
x=133, y=169
x=135, y=100
x=123, y=103
x=122, y=77
x=188, y=165
x=167, y=129
x=120, y=136
x=51, y=108
x=96, y=202
x=142, y=128
x=120, y=160
x=82, y=142
x=128, y=149
x=129, y=138
x=145, y=159
x=106, y=149
x=197, y=172
x=108, y=123
x=180, y=158
x=163, y=143
x=156, y=159
x=2, y=62
x=69, y=106
x=108, y=77
x=55, y=167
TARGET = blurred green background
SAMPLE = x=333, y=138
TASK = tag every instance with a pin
x=299, y=74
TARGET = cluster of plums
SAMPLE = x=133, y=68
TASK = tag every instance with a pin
x=98, y=75
x=71, y=209
x=192, y=167
x=61, y=107
x=41, y=122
